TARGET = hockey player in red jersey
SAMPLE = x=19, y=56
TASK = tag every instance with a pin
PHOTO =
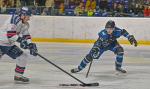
x=16, y=30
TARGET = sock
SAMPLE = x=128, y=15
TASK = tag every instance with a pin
x=19, y=71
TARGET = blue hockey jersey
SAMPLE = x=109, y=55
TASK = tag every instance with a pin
x=106, y=39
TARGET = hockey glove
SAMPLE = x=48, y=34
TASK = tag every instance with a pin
x=23, y=42
x=20, y=39
x=95, y=52
x=33, y=49
x=132, y=40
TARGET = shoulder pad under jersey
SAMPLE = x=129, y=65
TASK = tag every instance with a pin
x=15, y=19
x=117, y=31
x=103, y=34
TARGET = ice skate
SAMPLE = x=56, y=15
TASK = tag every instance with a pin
x=21, y=79
x=75, y=70
x=120, y=71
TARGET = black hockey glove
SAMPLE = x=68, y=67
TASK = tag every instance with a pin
x=95, y=52
x=23, y=42
x=33, y=49
x=20, y=39
x=132, y=40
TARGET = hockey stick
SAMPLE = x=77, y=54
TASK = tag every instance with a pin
x=82, y=83
x=89, y=69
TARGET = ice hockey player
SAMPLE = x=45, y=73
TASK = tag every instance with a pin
x=108, y=41
x=16, y=30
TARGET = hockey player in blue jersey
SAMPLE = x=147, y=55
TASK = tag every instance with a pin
x=108, y=41
x=16, y=30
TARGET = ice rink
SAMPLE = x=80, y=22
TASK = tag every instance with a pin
x=68, y=55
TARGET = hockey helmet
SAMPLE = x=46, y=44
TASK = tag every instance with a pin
x=110, y=24
x=25, y=11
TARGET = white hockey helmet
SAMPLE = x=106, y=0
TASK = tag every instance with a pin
x=25, y=11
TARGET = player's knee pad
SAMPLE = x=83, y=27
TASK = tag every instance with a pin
x=14, y=52
x=119, y=51
x=22, y=60
x=89, y=57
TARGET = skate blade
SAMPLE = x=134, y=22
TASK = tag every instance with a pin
x=20, y=82
x=120, y=73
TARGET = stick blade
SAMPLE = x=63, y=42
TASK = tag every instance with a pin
x=91, y=84
x=70, y=84
x=83, y=85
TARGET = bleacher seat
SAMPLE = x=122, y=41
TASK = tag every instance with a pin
x=69, y=12
x=97, y=14
x=11, y=10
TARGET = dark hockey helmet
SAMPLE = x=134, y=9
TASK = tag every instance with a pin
x=110, y=24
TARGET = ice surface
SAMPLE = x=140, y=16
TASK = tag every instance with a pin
x=66, y=55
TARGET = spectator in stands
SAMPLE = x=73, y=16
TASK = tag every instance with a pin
x=33, y=11
x=149, y=10
x=88, y=4
x=49, y=4
x=77, y=2
x=126, y=6
x=66, y=2
x=140, y=13
x=36, y=11
x=115, y=7
x=146, y=11
x=62, y=9
x=31, y=2
x=15, y=3
x=93, y=4
x=110, y=5
x=24, y=2
x=4, y=5
x=138, y=10
x=1, y=3
x=90, y=12
x=72, y=4
x=84, y=1
x=91, y=9
x=97, y=2
x=36, y=2
x=103, y=4
x=45, y=12
x=120, y=8
x=41, y=2
x=79, y=10
x=147, y=2
x=57, y=3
